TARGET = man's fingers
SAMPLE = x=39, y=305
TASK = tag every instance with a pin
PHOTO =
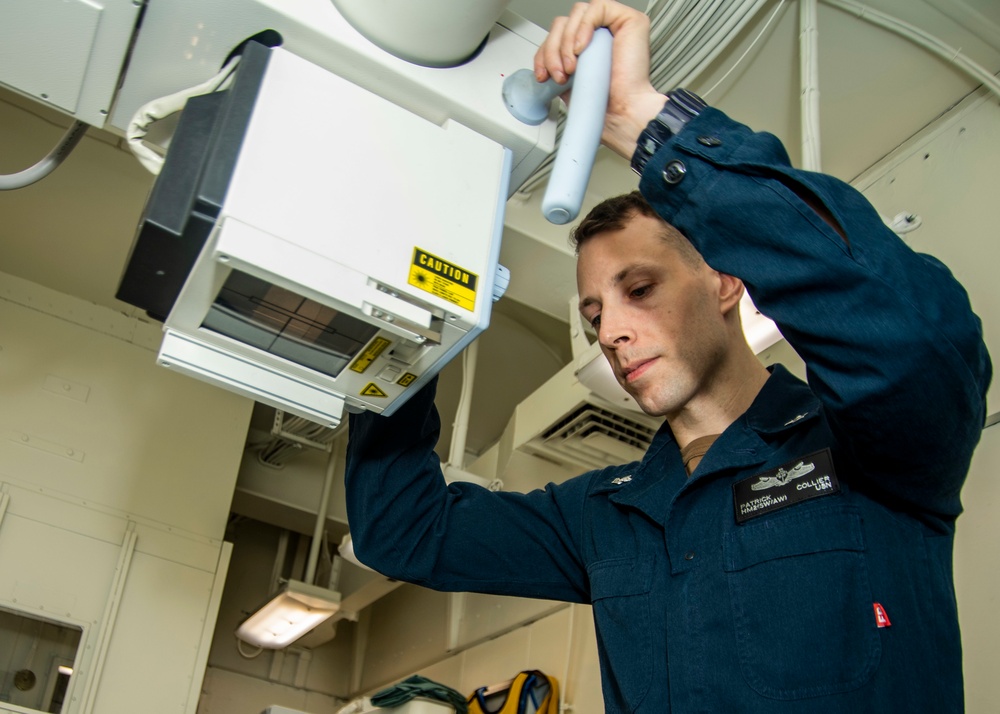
x=568, y=37
x=548, y=58
x=576, y=35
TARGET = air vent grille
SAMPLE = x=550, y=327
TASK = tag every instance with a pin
x=593, y=437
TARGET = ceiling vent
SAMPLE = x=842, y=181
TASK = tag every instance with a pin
x=594, y=436
x=566, y=423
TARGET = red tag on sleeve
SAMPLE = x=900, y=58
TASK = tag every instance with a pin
x=881, y=618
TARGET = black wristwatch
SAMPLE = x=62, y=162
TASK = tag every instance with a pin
x=681, y=107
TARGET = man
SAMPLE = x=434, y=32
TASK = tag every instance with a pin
x=801, y=562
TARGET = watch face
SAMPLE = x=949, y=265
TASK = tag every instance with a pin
x=25, y=680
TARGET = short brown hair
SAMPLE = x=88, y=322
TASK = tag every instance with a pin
x=614, y=213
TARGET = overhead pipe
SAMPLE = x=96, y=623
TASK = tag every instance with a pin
x=51, y=161
x=324, y=505
x=809, y=81
x=460, y=431
x=719, y=42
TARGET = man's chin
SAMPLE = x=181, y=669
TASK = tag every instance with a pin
x=647, y=408
x=636, y=394
x=650, y=410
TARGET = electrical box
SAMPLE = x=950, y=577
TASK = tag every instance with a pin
x=67, y=54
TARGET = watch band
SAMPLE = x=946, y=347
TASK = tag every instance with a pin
x=681, y=106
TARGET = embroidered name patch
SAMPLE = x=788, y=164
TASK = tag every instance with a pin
x=809, y=477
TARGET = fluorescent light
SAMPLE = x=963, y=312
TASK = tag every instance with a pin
x=63, y=669
x=296, y=609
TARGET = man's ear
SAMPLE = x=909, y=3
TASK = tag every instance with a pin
x=730, y=291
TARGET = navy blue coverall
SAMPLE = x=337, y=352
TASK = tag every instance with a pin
x=712, y=593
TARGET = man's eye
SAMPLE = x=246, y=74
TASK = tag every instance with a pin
x=641, y=291
x=595, y=321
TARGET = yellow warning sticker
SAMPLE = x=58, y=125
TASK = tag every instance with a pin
x=372, y=390
x=444, y=279
x=406, y=380
x=371, y=353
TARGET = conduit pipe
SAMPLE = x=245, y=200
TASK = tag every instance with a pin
x=686, y=40
x=324, y=504
x=460, y=430
x=281, y=552
x=49, y=163
x=690, y=36
x=809, y=79
x=720, y=40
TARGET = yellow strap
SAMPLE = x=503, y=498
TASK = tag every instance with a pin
x=549, y=705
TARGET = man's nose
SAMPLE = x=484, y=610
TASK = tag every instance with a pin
x=613, y=332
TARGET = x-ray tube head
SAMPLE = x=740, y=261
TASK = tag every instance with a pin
x=342, y=249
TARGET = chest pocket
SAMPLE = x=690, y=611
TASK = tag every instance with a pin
x=802, y=602
x=619, y=590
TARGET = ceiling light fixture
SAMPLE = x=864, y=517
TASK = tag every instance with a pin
x=295, y=610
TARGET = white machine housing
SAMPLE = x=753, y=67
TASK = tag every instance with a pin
x=355, y=252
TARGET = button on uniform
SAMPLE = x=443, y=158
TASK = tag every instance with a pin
x=689, y=555
x=707, y=140
x=674, y=172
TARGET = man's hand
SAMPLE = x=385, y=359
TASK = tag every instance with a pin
x=633, y=101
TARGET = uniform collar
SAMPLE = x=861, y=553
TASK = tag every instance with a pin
x=650, y=485
x=783, y=403
x=638, y=476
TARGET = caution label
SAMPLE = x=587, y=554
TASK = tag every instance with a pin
x=372, y=390
x=444, y=279
x=372, y=351
x=406, y=380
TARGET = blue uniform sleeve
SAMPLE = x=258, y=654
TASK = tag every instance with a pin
x=408, y=524
x=890, y=342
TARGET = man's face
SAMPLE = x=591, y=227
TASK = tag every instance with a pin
x=659, y=319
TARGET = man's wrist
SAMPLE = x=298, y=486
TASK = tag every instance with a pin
x=681, y=106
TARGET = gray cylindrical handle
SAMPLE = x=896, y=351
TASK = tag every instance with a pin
x=582, y=133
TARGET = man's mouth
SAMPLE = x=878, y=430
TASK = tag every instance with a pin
x=635, y=370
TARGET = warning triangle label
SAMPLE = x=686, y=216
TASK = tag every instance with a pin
x=372, y=390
